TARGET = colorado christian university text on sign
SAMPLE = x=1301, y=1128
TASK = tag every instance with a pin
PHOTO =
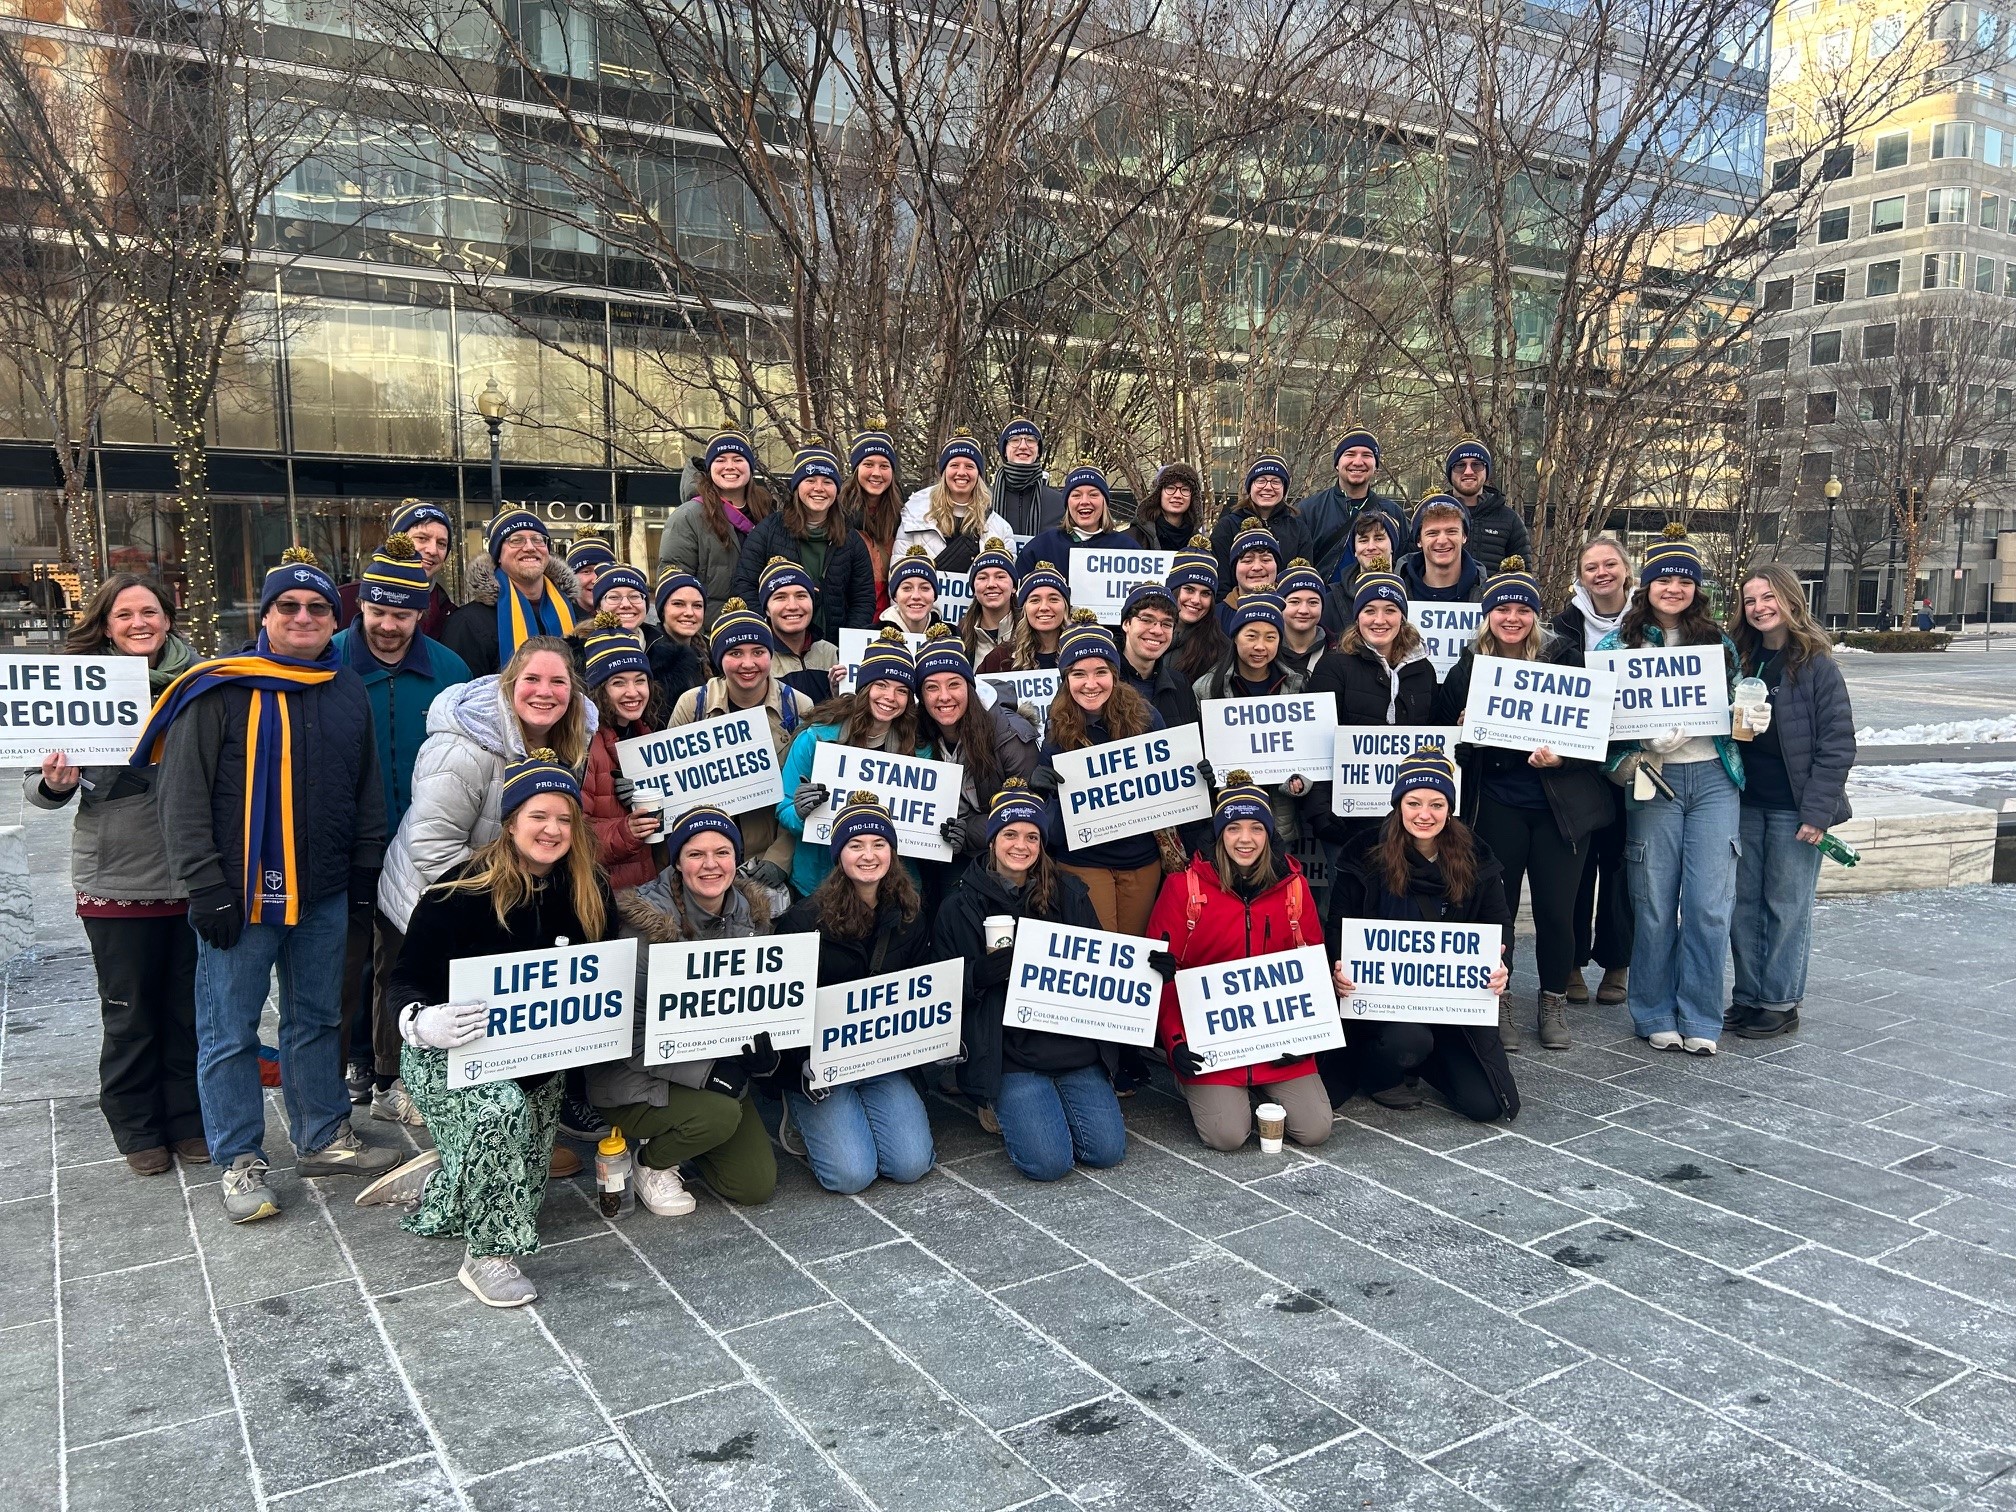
x=1420, y=973
x=887, y=1023
x=726, y=761
x=1273, y=738
x=1131, y=787
x=91, y=708
x=706, y=999
x=1085, y=982
x=920, y=795
x=1523, y=705
x=1368, y=763
x=1101, y=578
x=1445, y=629
x=1240, y=1013
x=547, y=1010
x=1684, y=689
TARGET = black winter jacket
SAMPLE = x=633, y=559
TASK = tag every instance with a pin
x=1468, y=588
x=1578, y=794
x=1032, y=509
x=675, y=668
x=1328, y=517
x=993, y=1046
x=1496, y=531
x=897, y=944
x=1286, y=525
x=846, y=596
x=1359, y=682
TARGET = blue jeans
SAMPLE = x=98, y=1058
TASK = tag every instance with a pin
x=1680, y=856
x=230, y=995
x=1050, y=1123
x=1773, y=931
x=864, y=1129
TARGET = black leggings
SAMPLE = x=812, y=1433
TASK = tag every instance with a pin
x=1528, y=844
x=1603, y=922
x=1383, y=1055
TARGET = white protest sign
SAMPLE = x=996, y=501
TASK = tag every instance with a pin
x=548, y=1010
x=1368, y=762
x=854, y=646
x=1131, y=787
x=887, y=1023
x=1273, y=738
x=1312, y=854
x=955, y=595
x=1684, y=689
x=1240, y=1013
x=1085, y=982
x=1102, y=577
x=1523, y=705
x=920, y=795
x=1445, y=630
x=1036, y=688
x=706, y=999
x=91, y=708
x=726, y=761
x=1420, y=973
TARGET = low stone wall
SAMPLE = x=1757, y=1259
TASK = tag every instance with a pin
x=1909, y=842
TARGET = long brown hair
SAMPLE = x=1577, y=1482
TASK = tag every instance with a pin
x=1697, y=625
x=500, y=870
x=841, y=911
x=1455, y=854
x=568, y=738
x=651, y=720
x=1022, y=648
x=1805, y=641
x=1148, y=514
x=797, y=522
x=849, y=712
x=1200, y=647
x=1252, y=880
x=1039, y=893
x=974, y=736
x=1127, y=714
x=756, y=504
x=1351, y=642
x=876, y=516
x=89, y=635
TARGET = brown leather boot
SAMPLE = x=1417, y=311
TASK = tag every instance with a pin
x=149, y=1162
x=1553, y=1027
x=1578, y=989
x=1508, y=1028
x=1615, y=986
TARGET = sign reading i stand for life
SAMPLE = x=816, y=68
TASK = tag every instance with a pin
x=706, y=999
x=887, y=1023
x=91, y=708
x=726, y=761
x=1274, y=738
x=1240, y=1013
x=1412, y=973
x=1523, y=705
x=547, y=1010
x=1086, y=982
x=920, y=795
x=1101, y=578
x=1445, y=630
x=1684, y=689
x=1368, y=763
x=1131, y=787
x=854, y=646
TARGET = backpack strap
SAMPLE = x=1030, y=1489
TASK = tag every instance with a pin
x=1297, y=892
x=1192, y=906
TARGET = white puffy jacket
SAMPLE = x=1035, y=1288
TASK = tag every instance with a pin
x=914, y=528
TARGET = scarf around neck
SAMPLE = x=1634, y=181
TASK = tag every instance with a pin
x=520, y=618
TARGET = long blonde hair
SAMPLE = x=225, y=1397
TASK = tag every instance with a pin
x=568, y=738
x=1404, y=644
x=499, y=869
x=944, y=510
x=1488, y=644
x=1805, y=640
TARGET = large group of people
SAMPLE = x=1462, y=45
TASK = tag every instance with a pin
x=384, y=782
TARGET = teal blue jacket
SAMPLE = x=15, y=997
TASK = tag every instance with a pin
x=1727, y=749
x=399, y=700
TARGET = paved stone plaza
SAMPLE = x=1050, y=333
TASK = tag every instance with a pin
x=1781, y=1279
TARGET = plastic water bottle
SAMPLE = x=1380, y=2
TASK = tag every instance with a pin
x=1835, y=849
x=614, y=1189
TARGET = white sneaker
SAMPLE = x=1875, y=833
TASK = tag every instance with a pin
x=1695, y=1045
x=1665, y=1039
x=663, y=1192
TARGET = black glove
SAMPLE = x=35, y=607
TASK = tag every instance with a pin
x=622, y=787
x=1187, y=1062
x=763, y=1058
x=363, y=889
x=810, y=798
x=766, y=873
x=991, y=970
x=1206, y=773
x=1288, y=1060
x=1043, y=779
x=217, y=914
x=1164, y=963
x=954, y=832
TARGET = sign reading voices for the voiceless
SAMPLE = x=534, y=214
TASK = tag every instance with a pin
x=546, y=1010
x=1368, y=764
x=726, y=761
x=1102, y=579
x=1273, y=738
x=1523, y=705
x=1085, y=982
x=1684, y=689
x=1240, y=1013
x=920, y=795
x=1420, y=973
x=706, y=999
x=886, y=1023
x=1131, y=787
x=91, y=708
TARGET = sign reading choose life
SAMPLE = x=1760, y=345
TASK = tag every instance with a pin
x=91, y=708
x=706, y=999
x=1240, y=1013
x=1523, y=705
x=1131, y=787
x=1085, y=982
x=1274, y=738
x=1101, y=578
x=726, y=761
x=547, y=1010
x=886, y=1023
x=1684, y=689
x=1420, y=973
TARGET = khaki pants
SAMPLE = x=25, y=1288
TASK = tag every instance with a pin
x=1224, y=1115
x=1122, y=899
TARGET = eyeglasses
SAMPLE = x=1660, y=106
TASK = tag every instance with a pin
x=314, y=608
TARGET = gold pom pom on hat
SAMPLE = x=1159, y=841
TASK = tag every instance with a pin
x=940, y=631
x=603, y=621
x=915, y=551
x=735, y=606
x=992, y=543
x=891, y=636
x=862, y=795
x=399, y=547
x=1674, y=531
x=298, y=556
x=1513, y=563
x=1013, y=784
x=1200, y=542
x=1238, y=777
x=1084, y=617
x=542, y=753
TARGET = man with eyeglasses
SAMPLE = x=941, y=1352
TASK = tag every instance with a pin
x=428, y=527
x=273, y=817
x=1496, y=531
x=520, y=589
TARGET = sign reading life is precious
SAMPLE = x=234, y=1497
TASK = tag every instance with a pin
x=1131, y=787
x=1368, y=764
x=726, y=761
x=547, y=1010
x=1239, y=1013
x=886, y=1023
x=920, y=795
x=1523, y=705
x=1445, y=629
x=1102, y=579
x=91, y=708
x=706, y=999
x=1274, y=738
x=1684, y=689
x=1085, y=982
x=1420, y=973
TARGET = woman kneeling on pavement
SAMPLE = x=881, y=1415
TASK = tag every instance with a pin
x=1050, y=1095
x=1422, y=863
x=1247, y=899
x=697, y=1112
x=534, y=887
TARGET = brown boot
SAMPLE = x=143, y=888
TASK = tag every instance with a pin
x=192, y=1152
x=1508, y=1030
x=1578, y=989
x=152, y=1162
x=564, y=1163
x=1615, y=986
x=1553, y=1027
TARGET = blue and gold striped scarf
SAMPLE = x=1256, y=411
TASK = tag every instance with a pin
x=270, y=872
x=519, y=618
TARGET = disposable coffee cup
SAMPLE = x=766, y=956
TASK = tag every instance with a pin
x=1751, y=693
x=999, y=930
x=1739, y=723
x=649, y=803
x=1273, y=1121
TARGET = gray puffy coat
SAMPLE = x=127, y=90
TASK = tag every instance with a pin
x=690, y=543
x=1816, y=739
x=458, y=792
x=115, y=848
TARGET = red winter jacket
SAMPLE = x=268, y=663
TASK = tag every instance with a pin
x=628, y=860
x=1221, y=926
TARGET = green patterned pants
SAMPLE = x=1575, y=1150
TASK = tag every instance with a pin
x=495, y=1142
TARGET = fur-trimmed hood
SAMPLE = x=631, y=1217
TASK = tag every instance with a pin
x=646, y=911
x=480, y=580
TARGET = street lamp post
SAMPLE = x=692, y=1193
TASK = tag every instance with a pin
x=490, y=404
x=1960, y=519
x=1832, y=490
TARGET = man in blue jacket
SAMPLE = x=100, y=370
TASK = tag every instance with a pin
x=1329, y=516
x=402, y=669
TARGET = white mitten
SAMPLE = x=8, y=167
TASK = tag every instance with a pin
x=443, y=1026
x=1667, y=744
x=1759, y=718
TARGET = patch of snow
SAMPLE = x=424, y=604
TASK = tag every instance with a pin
x=1933, y=777
x=1842, y=648
x=1947, y=732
